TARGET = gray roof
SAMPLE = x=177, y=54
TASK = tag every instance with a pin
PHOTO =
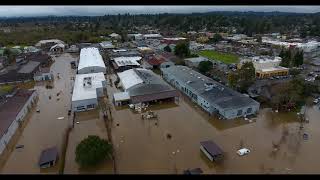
x=151, y=84
x=48, y=155
x=212, y=148
x=220, y=95
x=29, y=67
x=128, y=53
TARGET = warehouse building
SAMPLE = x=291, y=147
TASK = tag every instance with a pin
x=13, y=110
x=86, y=91
x=143, y=86
x=212, y=96
x=91, y=61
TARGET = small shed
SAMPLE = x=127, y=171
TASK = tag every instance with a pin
x=48, y=157
x=211, y=150
x=121, y=98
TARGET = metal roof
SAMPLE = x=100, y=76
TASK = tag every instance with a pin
x=212, y=148
x=48, y=155
x=210, y=90
x=90, y=57
x=86, y=89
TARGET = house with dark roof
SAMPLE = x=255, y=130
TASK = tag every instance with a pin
x=211, y=150
x=143, y=86
x=212, y=96
x=48, y=157
x=12, y=113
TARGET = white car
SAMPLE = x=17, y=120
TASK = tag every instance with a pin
x=243, y=151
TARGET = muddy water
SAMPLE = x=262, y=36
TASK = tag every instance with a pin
x=89, y=123
x=142, y=146
x=43, y=129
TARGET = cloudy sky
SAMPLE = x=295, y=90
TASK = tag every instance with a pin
x=10, y=11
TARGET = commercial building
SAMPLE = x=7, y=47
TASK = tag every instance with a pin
x=12, y=112
x=194, y=62
x=86, y=91
x=125, y=63
x=91, y=61
x=266, y=66
x=43, y=74
x=143, y=86
x=212, y=96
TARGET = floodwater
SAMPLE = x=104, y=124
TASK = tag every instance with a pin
x=89, y=123
x=143, y=146
x=44, y=129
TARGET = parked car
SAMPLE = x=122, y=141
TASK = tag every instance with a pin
x=243, y=151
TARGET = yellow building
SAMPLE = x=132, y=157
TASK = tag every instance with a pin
x=265, y=66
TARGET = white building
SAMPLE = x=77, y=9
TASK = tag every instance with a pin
x=152, y=36
x=107, y=45
x=115, y=36
x=86, y=91
x=91, y=61
x=12, y=114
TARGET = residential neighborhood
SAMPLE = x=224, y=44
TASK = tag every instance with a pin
x=168, y=97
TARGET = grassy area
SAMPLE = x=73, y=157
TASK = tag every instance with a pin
x=223, y=57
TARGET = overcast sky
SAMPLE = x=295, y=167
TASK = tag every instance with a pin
x=10, y=11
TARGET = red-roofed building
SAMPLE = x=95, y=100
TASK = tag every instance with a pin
x=155, y=61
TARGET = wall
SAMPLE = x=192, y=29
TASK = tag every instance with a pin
x=5, y=139
x=84, y=103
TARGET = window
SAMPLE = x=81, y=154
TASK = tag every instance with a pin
x=80, y=108
x=249, y=110
x=239, y=112
x=90, y=106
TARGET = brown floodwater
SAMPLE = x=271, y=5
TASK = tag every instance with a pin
x=142, y=146
x=89, y=123
x=44, y=130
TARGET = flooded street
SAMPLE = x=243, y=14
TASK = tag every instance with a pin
x=89, y=123
x=142, y=146
x=44, y=129
x=169, y=144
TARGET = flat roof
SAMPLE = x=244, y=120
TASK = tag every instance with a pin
x=83, y=89
x=279, y=68
x=121, y=96
x=90, y=57
x=127, y=61
x=10, y=109
x=29, y=67
x=197, y=59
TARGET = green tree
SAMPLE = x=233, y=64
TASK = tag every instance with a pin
x=167, y=48
x=182, y=50
x=11, y=56
x=233, y=79
x=246, y=76
x=216, y=38
x=92, y=150
x=205, y=66
x=259, y=39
